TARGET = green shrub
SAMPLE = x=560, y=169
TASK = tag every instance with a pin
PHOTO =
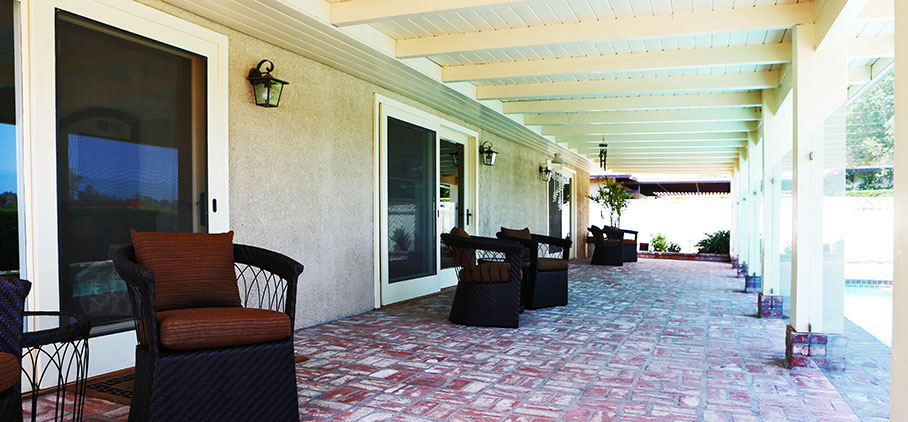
x=715, y=243
x=661, y=244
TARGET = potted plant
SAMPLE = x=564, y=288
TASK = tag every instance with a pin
x=613, y=197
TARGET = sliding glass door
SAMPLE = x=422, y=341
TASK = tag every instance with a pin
x=125, y=128
x=130, y=155
x=424, y=191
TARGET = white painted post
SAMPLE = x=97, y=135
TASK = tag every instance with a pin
x=899, y=385
x=820, y=81
x=754, y=188
x=736, y=210
x=772, y=194
x=746, y=229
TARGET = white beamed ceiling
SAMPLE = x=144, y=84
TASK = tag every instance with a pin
x=674, y=83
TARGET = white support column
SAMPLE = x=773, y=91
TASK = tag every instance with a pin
x=899, y=388
x=735, y=212
x=772, y=194
x=754, y=187
x=744, y=228
x=819, y=87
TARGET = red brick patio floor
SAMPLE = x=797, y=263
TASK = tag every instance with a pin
x=656, y=340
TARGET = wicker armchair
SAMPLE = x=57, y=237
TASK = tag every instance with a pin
x=488, y=280
x=12, y=304
x=630, y=246
x=188, y=368
x=608, y=250
x=545, y=279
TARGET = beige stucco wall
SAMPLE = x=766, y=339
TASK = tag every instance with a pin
x=301, y=175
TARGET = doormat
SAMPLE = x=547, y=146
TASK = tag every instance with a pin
x=117, y=386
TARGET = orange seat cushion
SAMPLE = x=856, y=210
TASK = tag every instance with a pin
x=552, y=264
x=630, y=242
x=487, y=272
x=202, y=328
x=9, y=371
x=191, y=270
x=521, y=234
x=466, y=258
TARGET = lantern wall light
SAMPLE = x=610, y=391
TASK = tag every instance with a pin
x=487, y=153
x=266, y=89
x=545, y=173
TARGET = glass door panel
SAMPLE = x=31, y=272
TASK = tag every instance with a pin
x=130, y=155
x=411, y=201
x=9, y=182
x=452, y=189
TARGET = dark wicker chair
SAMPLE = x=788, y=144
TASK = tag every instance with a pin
x=12, y=304
x=488, y=280
x=608, y=251
x=630, y=246
x=545, y=278
x=244, y=382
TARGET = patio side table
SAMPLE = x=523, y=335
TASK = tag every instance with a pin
x=58, y=349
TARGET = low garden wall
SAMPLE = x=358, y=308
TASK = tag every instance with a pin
x=711, y=257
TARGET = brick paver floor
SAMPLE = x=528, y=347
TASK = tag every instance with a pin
x=656, y=340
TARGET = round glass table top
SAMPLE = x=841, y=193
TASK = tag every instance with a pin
x=40, y=321
x=52, y=327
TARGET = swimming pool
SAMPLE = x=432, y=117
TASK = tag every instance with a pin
x=871, y=309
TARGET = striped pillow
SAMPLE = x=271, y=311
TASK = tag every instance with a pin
x=191, y=270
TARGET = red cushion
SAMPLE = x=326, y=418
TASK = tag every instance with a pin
x=191, y=270
x=202, y=328
x=9, y=371
x=520, y=234
x=466, y=258
x=487, y=272
x=552, y=264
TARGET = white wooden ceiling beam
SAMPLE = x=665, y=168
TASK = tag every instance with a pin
x=715, y=170
x=871, y=47
x=586, y=140
x=612, y=147
x=878, y=10
x=650, y=128
x=859, y=75
x=732, y=20
x=725, y=81
x=832, y=18
x=759, y=54
x=656, y=102
x=356, y=12
x=655, y=116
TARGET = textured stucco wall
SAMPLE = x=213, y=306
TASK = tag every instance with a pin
x=301, y=174
x=510, y=192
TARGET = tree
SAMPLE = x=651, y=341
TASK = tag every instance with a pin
x=613, y=197
x=870, y=139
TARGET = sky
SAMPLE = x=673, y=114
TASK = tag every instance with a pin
x=7, y=158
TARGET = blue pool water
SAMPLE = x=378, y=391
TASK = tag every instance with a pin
x=871, y=309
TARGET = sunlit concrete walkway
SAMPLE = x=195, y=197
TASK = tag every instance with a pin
x=654, y=340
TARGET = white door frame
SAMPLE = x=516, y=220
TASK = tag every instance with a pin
x=38, y=139
x=382, y=107
x=448, y=276
x=574, y=244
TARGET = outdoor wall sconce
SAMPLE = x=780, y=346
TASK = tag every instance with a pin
x=545, y=173
x=488, y=154
x=266, y=89
x=603, y=153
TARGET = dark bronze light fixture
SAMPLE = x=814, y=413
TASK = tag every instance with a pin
x=488, y=154
x=603, y=153
x=545, y=173
x=266, y=89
